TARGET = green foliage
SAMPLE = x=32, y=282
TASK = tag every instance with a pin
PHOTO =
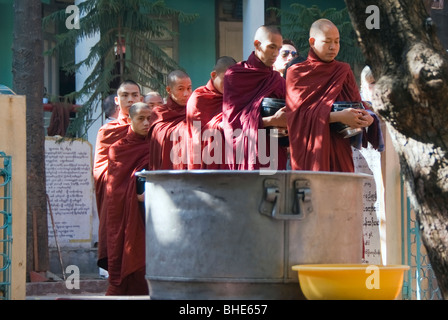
x=137, y=23
x=296, y=25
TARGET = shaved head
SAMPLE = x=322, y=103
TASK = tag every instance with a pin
x=263, y=32
x=223, y=63
x=179, y=87
x=140, y=116
x=153, y=98
x=175, y=75
x=320, y=26
x=267, y=42
x=217, y=75
x=136, y=107
x=324, y=39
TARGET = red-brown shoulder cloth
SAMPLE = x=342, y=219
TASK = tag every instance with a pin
x=204, y=115
x=108, y=134
x=167, y=122
x=125, y=223
x=312, y=87
x=245, y=86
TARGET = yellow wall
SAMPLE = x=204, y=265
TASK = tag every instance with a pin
x=13, y=143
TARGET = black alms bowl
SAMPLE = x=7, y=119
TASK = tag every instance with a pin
x=269, y=106
x=341, y=128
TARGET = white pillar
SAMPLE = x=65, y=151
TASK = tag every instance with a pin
x=82, y=50
x=253, y=17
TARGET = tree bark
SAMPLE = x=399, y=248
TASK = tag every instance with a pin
x=27, y=68
x=411, y=94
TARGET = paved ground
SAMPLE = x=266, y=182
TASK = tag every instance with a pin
x=92, y=287
x=53, y=289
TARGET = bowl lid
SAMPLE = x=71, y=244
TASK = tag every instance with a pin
x=273, y=102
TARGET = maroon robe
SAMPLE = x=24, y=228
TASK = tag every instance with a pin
x=168, y=122
x=108, y=134
x=245, y=85
x=312, y=87
x=125, y=222
x=204, y=115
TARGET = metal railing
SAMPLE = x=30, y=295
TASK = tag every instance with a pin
x=419, y=282
x=5, y=226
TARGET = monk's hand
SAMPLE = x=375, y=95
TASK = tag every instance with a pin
x=364, y=118
x=355, y=118
x=367, y=117
x=141, y=197
x=278, y=120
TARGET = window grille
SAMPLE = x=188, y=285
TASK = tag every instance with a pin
x=5, y=226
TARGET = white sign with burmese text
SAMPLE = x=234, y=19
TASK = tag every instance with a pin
x=69, y=184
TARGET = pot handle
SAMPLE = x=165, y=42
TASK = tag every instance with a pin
x=302, y=198
x=302, y=204
x=270, y=202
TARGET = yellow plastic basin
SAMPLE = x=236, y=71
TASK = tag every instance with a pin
x=350, y=281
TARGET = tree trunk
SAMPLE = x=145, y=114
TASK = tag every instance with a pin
x=27, y=68
x=411, y=94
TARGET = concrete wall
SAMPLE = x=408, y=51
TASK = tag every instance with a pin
x=197, y=45
x=13, y=143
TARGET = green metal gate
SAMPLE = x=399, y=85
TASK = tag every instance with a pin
x=5, y=226
x=420, y=282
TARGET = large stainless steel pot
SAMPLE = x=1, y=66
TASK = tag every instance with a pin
x=236, y=234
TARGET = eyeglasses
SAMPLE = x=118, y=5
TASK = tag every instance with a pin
x=286, y=53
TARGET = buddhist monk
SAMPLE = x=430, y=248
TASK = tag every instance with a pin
x=312, y=87
x=245, y=85
x=153, y=99
x=127, y=94
x=204, y=116
x=168, y=127
x=125, y=216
